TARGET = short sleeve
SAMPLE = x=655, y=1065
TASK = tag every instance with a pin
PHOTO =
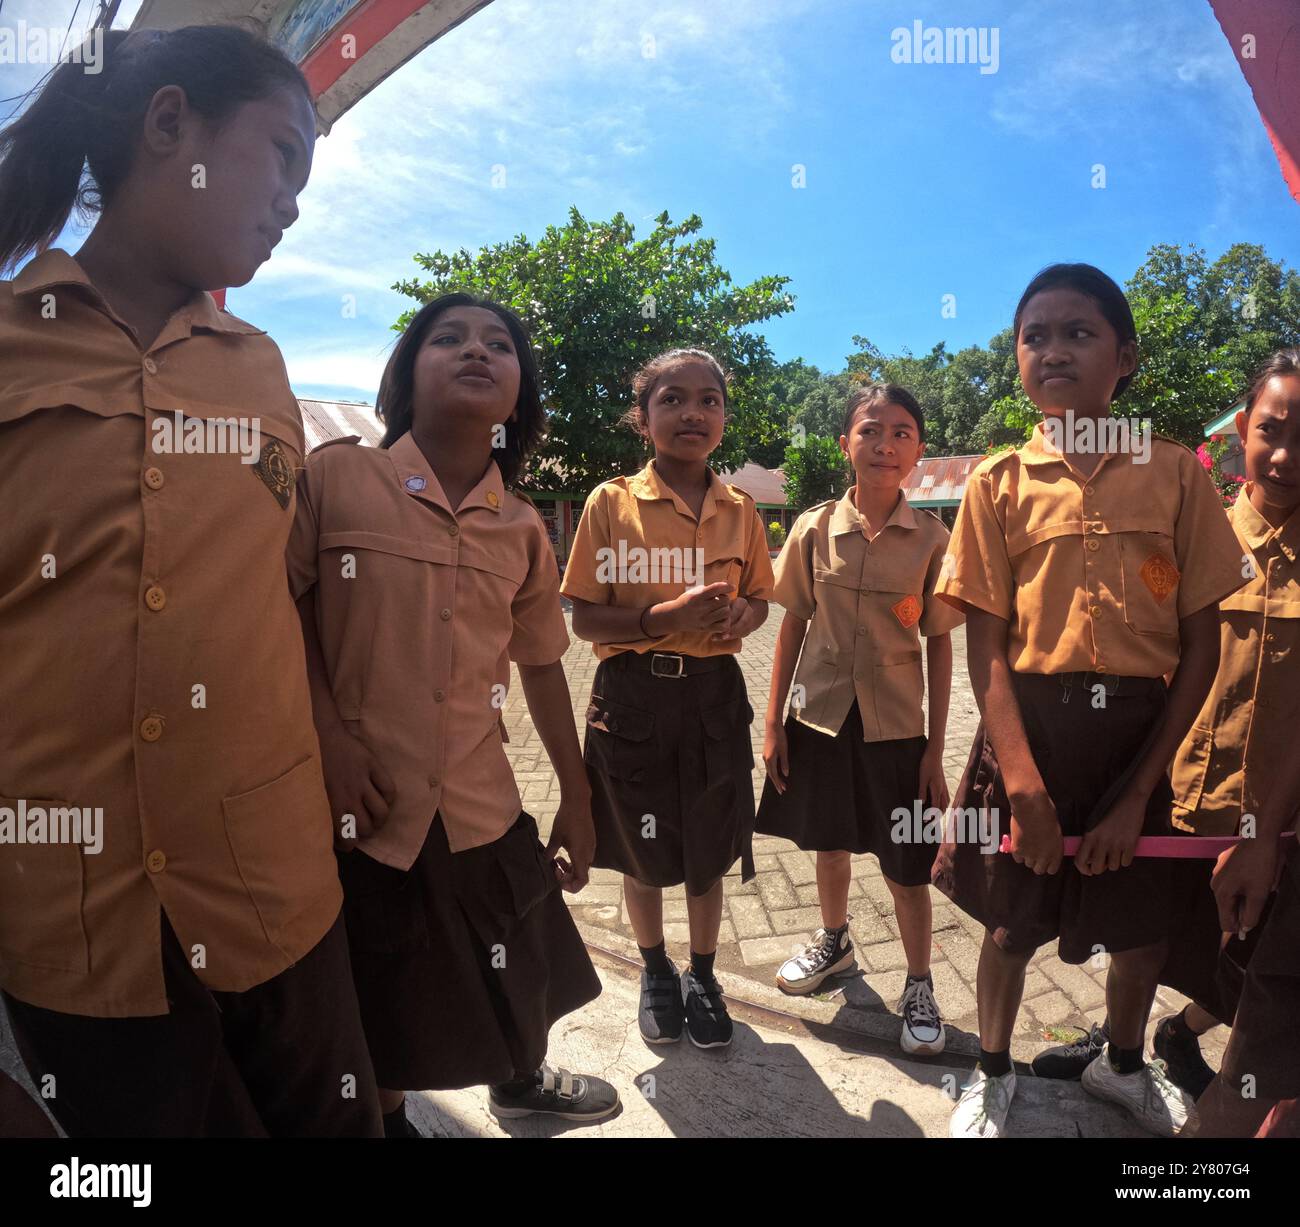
x=538, y=636
x=977, y=568
x=794, y=580
x=302, y=547
x=1207, y=551
x=938, y=617
x=592, y=536
x=756, y=575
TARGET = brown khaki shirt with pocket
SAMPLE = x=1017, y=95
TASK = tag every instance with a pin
x=1093, y=572
x=638, y=544
x=420, y=610
x=867, y=600
x=1251, y=718
x=153, y=659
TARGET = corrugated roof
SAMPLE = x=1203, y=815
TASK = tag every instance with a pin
x=939, y=481
x=765, y=486
x=323, y=420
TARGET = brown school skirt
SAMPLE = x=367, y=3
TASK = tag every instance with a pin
x=841, y=794
x=670, y=765
x=1263, y=1042
x=1085, y=754
x=463, y=962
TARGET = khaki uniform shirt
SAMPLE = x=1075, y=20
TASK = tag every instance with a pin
x=153, y=659
x=1093, y=573
x=868, y=601
x=1251, y=717
x=638, y=544
x=420, y=610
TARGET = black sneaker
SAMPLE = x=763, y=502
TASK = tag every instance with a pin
x=659, y=1015
x=1067, y=1062
x=707, y=1021
x=1180, y=1050
x=557, y=1093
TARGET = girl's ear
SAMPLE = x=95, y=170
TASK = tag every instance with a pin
x=844, y=447
x=165, y=119
x=1128, y=359
x=1242, y=423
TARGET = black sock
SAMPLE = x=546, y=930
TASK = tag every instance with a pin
x=1125, y=1060
x=702, y=965
x=656, y=960
x=395, y=1123
x=995, y=1064
x=520, y=1085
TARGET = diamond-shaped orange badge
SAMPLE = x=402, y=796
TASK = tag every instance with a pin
x=1160, y=575
x=907, y=611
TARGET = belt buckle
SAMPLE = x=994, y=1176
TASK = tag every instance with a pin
x=656, y=657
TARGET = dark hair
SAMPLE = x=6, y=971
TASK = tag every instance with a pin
x=396, y=402
x=1284, y=362
x=1090, y=281
x=884, y=394
x=73, y=146
x=643, y=383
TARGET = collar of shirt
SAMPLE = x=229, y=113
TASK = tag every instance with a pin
x=647, y=484
x=1258, y=533
x=846, y=518
x=1039, y=450
x=416, y=477
x=56, y=267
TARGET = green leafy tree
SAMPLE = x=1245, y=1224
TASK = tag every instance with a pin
x=599, y=303
x=814, y=472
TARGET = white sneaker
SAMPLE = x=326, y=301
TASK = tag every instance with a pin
x=981, y=1112
x=1147, y=1095
x=923, y=1031
x=826, y=955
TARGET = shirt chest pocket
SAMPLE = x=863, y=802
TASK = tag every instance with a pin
x=1150, y=580
x=372, y=583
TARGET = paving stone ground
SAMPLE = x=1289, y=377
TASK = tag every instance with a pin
x=767, y=919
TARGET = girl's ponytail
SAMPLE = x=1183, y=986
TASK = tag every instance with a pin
x=43, y=157
x=73, y=146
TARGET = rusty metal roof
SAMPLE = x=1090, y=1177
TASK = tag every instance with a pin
x=939, y=481
x=333, y=419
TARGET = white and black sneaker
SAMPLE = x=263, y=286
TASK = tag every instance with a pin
x=829, y=953
x=923, y=1032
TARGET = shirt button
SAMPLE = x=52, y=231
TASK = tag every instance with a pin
x=151, y=366
x=439, y=695
x=151, y=728
x=153, y=478
x=454, y=530
x=1092, y=543
x=445, y=615
x=1269, y=638
x=434, y=781
x=1088, y=490
x=156, y=862
x=862, y=630
x=492, y=497
x=155, y=598
x=1101, y=668
x=1095, y=611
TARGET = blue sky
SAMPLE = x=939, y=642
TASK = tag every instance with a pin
x=921, y=179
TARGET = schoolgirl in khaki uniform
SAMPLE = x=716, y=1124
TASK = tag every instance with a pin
x=856, y=579
x=1086, y=575
x=669, y=571
x=187, y=972
x=420, y=577
x=1227, y=766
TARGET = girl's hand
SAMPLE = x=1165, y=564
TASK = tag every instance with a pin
x=1244, y=877
x=1036, y=833
x=741, y=620
x=575, y=832
x=933, y=785
x=776, y=756
x=1110, y=844
x=697, y=609
x=358, y=787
